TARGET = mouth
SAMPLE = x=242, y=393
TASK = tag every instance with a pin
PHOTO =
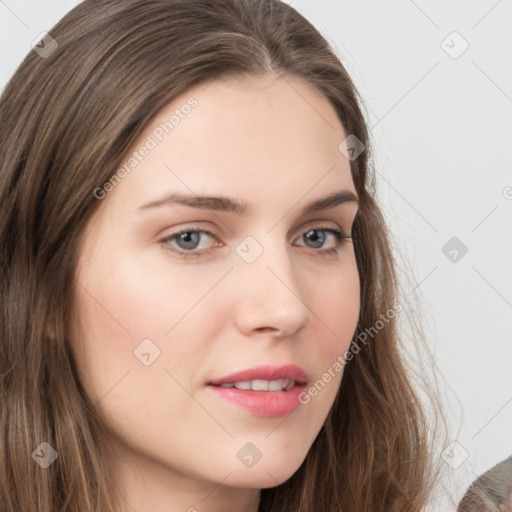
x=264, y=378
x=261, y=385
x=265, y=391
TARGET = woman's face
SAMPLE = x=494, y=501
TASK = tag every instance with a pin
x=268, y=290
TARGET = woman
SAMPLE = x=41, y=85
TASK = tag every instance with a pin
x=198, y=293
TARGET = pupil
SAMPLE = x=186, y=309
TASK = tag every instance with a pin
x=188, y=237
x=318, y=240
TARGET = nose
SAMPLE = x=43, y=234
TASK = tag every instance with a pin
x=268, y=295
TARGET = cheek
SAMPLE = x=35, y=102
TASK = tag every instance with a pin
x=338, y=307
x=123, y=303
x=123, y=307
x=153, y=297
x=139, y=297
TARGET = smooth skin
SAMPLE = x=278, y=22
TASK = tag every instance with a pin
x=271, y=142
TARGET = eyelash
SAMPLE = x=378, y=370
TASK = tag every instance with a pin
x=341, y=239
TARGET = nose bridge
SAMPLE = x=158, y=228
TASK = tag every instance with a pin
x=266, y=258
x=271, y=292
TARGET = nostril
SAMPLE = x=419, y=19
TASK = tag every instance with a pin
x=264, y=329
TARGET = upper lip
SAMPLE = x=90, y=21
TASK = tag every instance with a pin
x=266, y=372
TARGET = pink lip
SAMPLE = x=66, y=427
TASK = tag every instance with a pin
x=267, y=404
x=266, y=372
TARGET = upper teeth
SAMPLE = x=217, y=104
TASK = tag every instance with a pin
x=261, y=385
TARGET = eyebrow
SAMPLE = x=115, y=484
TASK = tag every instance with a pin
x=226, y=204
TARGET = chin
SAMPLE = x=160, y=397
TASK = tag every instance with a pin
x=264, y=475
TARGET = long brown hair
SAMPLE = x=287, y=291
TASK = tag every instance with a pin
x=68, y=118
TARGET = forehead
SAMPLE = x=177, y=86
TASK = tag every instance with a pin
x=270, y=137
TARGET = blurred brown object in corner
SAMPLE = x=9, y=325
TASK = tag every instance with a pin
x=490, y=492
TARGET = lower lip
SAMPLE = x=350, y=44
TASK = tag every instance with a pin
x=267, y=404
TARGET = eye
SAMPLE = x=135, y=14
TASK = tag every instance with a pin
x=187, y=240
x=186, y=243
x=317, y=236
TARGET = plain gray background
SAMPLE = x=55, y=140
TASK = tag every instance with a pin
x=440, y=117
